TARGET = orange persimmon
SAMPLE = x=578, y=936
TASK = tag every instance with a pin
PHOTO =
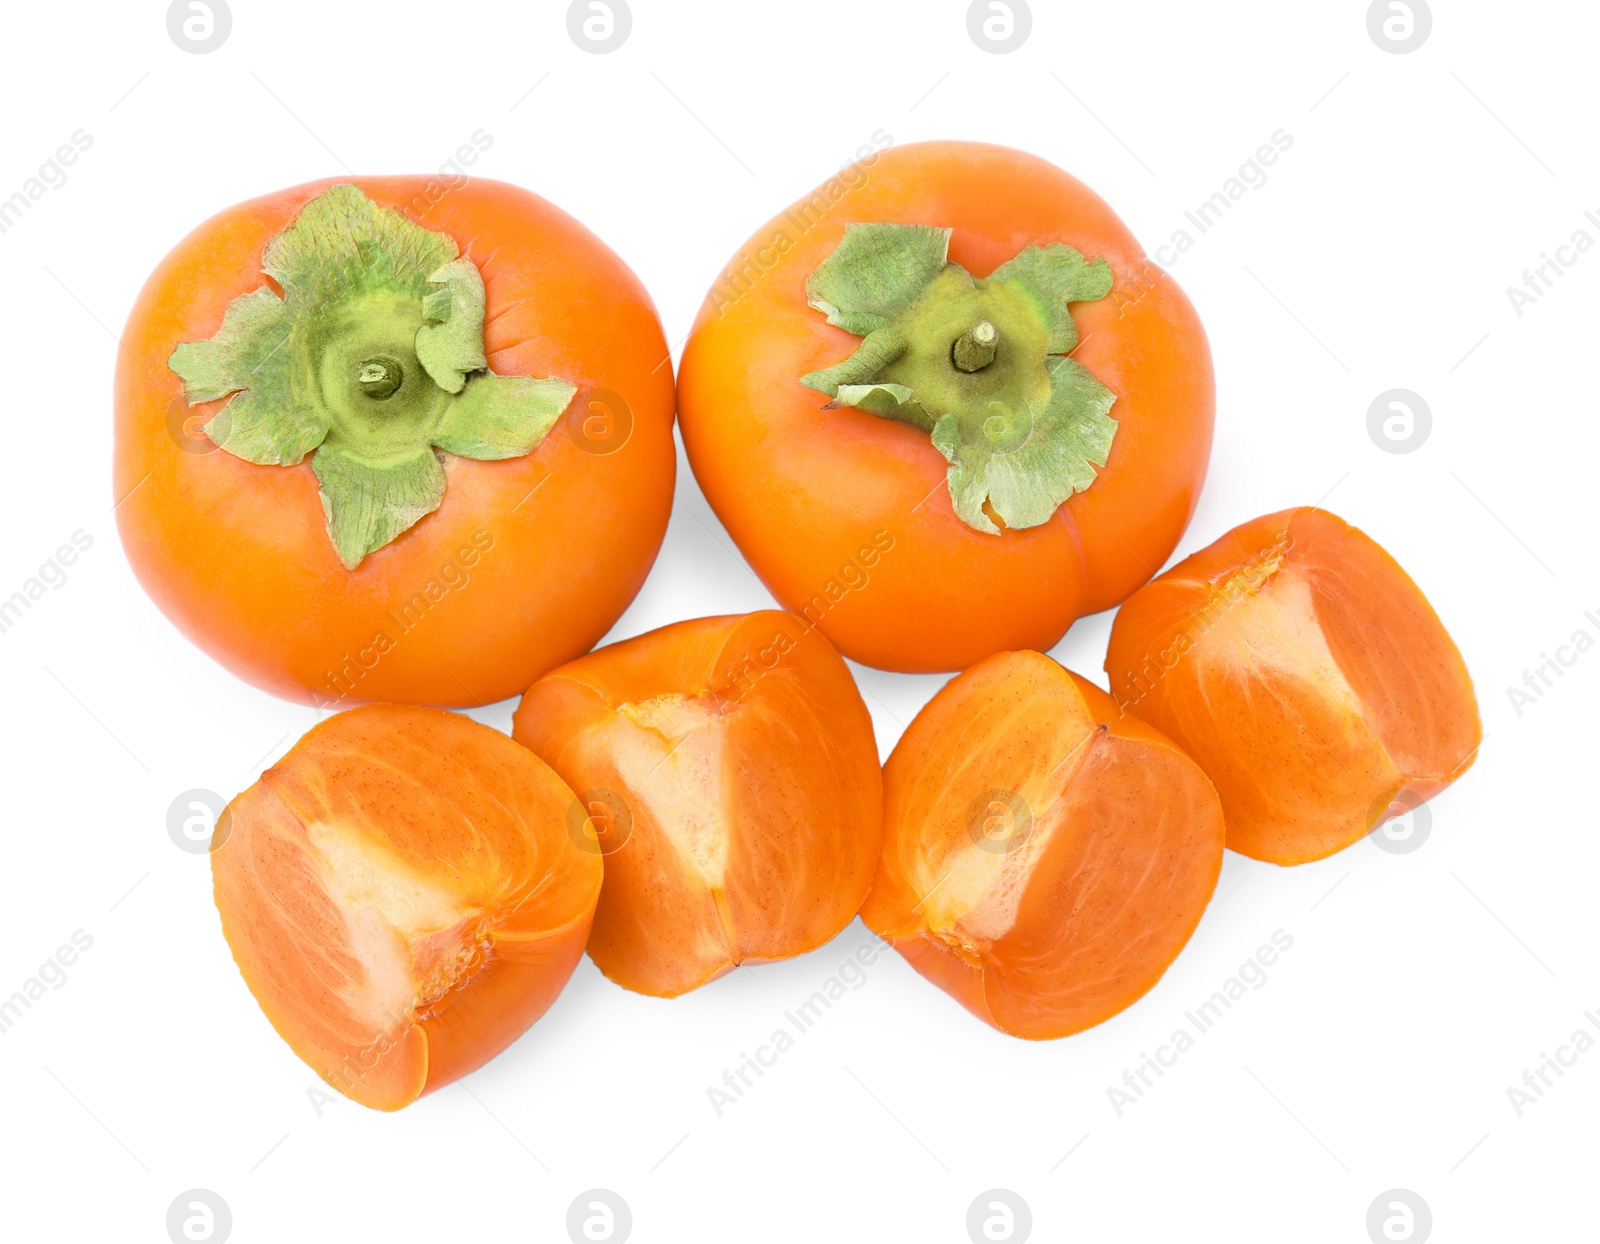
x=404, y=896
x=729, y=771
x=375, y=442
x=1045, y=858
x=914, y=441
x=1306, y=674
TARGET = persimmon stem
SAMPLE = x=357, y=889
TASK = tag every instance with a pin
x=368, y=358
x=975, y=349
x=380, y=377
x=978, y=363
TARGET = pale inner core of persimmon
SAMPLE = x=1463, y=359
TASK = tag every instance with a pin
x=414, y=938
x=973, y=893
x=1276, y=629
x=671, y=746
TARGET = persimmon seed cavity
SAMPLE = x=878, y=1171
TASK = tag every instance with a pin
x=380, y=378
x=975, y=349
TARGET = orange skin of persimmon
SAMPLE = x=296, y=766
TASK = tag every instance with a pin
x=525, y=564
x=1072, y=912
x=443, y=805
x=804, y=490
x=763, y=703
x=1306, y=674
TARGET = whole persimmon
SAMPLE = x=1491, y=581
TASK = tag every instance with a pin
x=945, y=405
x=379, y=442
x=403, y=896
x=728, y=771
x=1306, y=674
x=1045, y=858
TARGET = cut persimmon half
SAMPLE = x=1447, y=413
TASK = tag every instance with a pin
x=1306, y=674
x=1045, y=858
x=728, y=769
x=403, y=897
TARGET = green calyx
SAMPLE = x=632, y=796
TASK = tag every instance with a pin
x=976, y=363
x=372, y=362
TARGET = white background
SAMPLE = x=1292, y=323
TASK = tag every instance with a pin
x=1377, y=255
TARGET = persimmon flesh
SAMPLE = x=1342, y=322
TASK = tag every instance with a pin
x=729, y=768
x=403, y=897
x=1307, y=674
x=1045, y=858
